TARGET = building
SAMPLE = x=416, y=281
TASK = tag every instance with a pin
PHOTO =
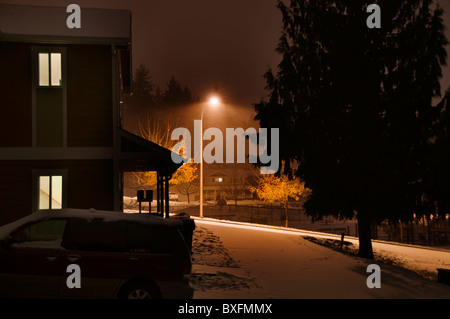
x=229, y=181
x=61, y=141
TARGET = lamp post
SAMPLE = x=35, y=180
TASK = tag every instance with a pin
x=213, y=101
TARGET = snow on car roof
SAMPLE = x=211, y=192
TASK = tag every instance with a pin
x=89, y=214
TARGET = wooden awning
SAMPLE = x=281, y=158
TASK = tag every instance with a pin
x=137, y=154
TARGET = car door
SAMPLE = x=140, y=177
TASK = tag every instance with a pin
x=150, y=250
x=31, y=261
x=97, y=247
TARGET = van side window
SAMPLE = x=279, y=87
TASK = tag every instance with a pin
x=95, y=235
x=43, y=234
x=143, y=238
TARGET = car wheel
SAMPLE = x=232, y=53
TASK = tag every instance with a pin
x=140, y=291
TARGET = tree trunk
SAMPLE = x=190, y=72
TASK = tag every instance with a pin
x=365, y=239
x=188, y=198
x=286, y=212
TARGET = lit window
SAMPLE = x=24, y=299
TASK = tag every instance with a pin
x=50, y=192
x=43, y=69
x=218, y=179
x=50, y=69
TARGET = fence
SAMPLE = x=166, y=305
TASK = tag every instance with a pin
x=428, y=232
x=276, y=216
x=434, y=232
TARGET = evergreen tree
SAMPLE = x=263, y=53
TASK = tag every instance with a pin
x=176, y=95
x=148, y=99
x=353, y=105
x=142, y=86
x=436, y=183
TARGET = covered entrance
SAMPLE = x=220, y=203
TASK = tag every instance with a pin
x=137, y=154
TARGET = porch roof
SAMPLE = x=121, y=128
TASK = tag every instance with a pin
x=137, y=154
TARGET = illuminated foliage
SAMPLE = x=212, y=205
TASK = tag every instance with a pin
x=273, y=189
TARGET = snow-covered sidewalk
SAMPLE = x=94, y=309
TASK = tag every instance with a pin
x=239, y=261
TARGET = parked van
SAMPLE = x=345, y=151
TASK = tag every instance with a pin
x=119, y=256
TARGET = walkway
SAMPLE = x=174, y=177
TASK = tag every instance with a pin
x=271, y=262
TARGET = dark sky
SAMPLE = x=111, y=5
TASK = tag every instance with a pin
x=205, y=44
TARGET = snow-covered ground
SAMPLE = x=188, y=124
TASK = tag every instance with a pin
x=238, y=260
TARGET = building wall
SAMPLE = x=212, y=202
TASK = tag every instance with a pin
x=89, y=91
x=89, y=185
x=89, y=96
x=16, y=97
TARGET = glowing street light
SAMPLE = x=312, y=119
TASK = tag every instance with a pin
x=214, y=101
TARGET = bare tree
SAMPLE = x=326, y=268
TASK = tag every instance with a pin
x=158, y=132
x=187, y=188
x=184, y=179
x=234, y=188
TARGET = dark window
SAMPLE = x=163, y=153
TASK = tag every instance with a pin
x=43, y=234
x=95, y=235
x=150, y=239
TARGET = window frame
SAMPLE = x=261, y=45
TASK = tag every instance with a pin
x=49, y=51
x=36, y=174
x=35, y=50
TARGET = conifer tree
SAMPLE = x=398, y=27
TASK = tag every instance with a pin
x=354, y=105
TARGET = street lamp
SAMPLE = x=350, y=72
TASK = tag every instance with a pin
x=214, y=101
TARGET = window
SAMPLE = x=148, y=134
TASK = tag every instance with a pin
x=218, y=179
x=95, y=235
x=49, y=99
x=50, y=69
x=50, y=192
x=43, y=234
x=49, y=188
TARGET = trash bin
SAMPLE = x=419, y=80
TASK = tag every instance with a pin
x=187, y=228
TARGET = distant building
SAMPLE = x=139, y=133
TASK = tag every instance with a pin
x=229, y=181
x=61, y=141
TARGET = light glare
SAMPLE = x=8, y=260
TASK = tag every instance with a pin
x=214, y=101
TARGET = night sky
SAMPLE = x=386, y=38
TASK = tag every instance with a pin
x=206, y=44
